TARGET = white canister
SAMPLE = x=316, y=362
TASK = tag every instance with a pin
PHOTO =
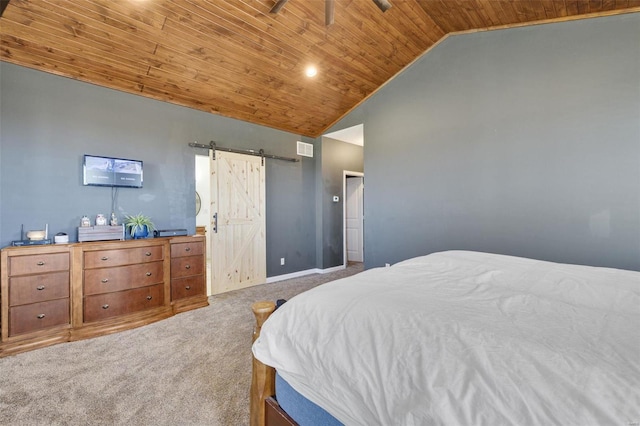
x=101, y=220
x=61, y=238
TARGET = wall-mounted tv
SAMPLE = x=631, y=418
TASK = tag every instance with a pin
x=108, y=171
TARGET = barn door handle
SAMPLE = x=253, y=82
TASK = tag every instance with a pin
x=215, y=223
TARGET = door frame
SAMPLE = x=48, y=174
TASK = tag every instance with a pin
x=346, y=174
x=206, y=203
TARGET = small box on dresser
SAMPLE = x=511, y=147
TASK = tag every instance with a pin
x=188, y=273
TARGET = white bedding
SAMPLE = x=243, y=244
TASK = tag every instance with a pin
x=465, y=338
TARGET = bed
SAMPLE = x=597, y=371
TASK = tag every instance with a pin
x=457, y=338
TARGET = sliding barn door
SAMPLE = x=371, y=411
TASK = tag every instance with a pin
x=238, y=252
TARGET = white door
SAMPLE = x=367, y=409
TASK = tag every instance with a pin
x=354, y=215
x=238, y=246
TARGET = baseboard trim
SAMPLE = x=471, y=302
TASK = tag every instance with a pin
x=304, y=273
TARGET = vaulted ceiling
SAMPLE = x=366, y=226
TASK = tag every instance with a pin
x=236, y=59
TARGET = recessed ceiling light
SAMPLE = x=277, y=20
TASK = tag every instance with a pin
x=311, y=71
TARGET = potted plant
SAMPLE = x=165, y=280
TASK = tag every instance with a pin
x=138, y=225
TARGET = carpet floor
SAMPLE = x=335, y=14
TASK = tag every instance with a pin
x=190, y=369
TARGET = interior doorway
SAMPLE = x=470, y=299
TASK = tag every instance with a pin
x=353, y=214
x=203, y=207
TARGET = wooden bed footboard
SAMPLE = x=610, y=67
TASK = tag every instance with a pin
x=263, y=379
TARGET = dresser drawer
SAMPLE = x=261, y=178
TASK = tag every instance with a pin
x=105, y=280
x=38, y=288
x=38, y=263
x=103, y=306
x=187, y=266
x=187, y=287
x=38, y=316
x=187, y=249
x=118, y=257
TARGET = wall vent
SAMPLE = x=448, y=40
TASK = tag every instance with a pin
x=305, y=149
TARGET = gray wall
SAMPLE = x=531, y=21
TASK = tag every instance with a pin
x=49, y=122
x=291, y=216
x=522, y=141
x=337, y=156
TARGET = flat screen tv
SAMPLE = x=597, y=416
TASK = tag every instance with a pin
x=108, y=171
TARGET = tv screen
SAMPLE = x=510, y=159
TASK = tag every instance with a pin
x=108, y=171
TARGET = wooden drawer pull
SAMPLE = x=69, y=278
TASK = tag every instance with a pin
x=188, y=287
x=40, y=287
x=104, y=258
x=187, y=267
x=187, y=249
x=104, y=280
x=105, y=306
x=149, y=297
x=148, y=274
x=41, y=263
x=148, y=253
x=40, y=316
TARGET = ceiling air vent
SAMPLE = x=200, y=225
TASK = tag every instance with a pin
x=305, y=149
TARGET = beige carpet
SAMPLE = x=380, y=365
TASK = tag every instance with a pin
x=190, y=369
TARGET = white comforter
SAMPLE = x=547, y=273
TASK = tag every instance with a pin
x=465, y=338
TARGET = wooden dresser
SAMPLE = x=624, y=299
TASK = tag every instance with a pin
x=188, y=273
x=51, y=294
x=35, y=296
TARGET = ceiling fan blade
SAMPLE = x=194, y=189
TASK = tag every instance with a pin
x=383, y=5
x=328, y=12
x=279, y=4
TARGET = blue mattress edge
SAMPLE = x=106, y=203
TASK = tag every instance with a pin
x=299, y=408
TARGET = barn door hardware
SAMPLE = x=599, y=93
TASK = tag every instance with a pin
x=259, y=153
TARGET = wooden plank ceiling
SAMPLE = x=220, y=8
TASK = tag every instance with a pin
x=234, y=58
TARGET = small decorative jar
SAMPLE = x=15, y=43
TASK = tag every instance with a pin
x=101, y=220
x=114, y=220
x=85, y=221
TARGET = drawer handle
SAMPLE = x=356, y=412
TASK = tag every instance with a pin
x=148, y=253
x=41, y=263
x=104, y=280
x=148, y=274
x=149, y=297
x=104, y=258
x=40, y=287
x=105, y=306
x=187, y=249
x=188, y=287
x=188, y=267
x=40, y=316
